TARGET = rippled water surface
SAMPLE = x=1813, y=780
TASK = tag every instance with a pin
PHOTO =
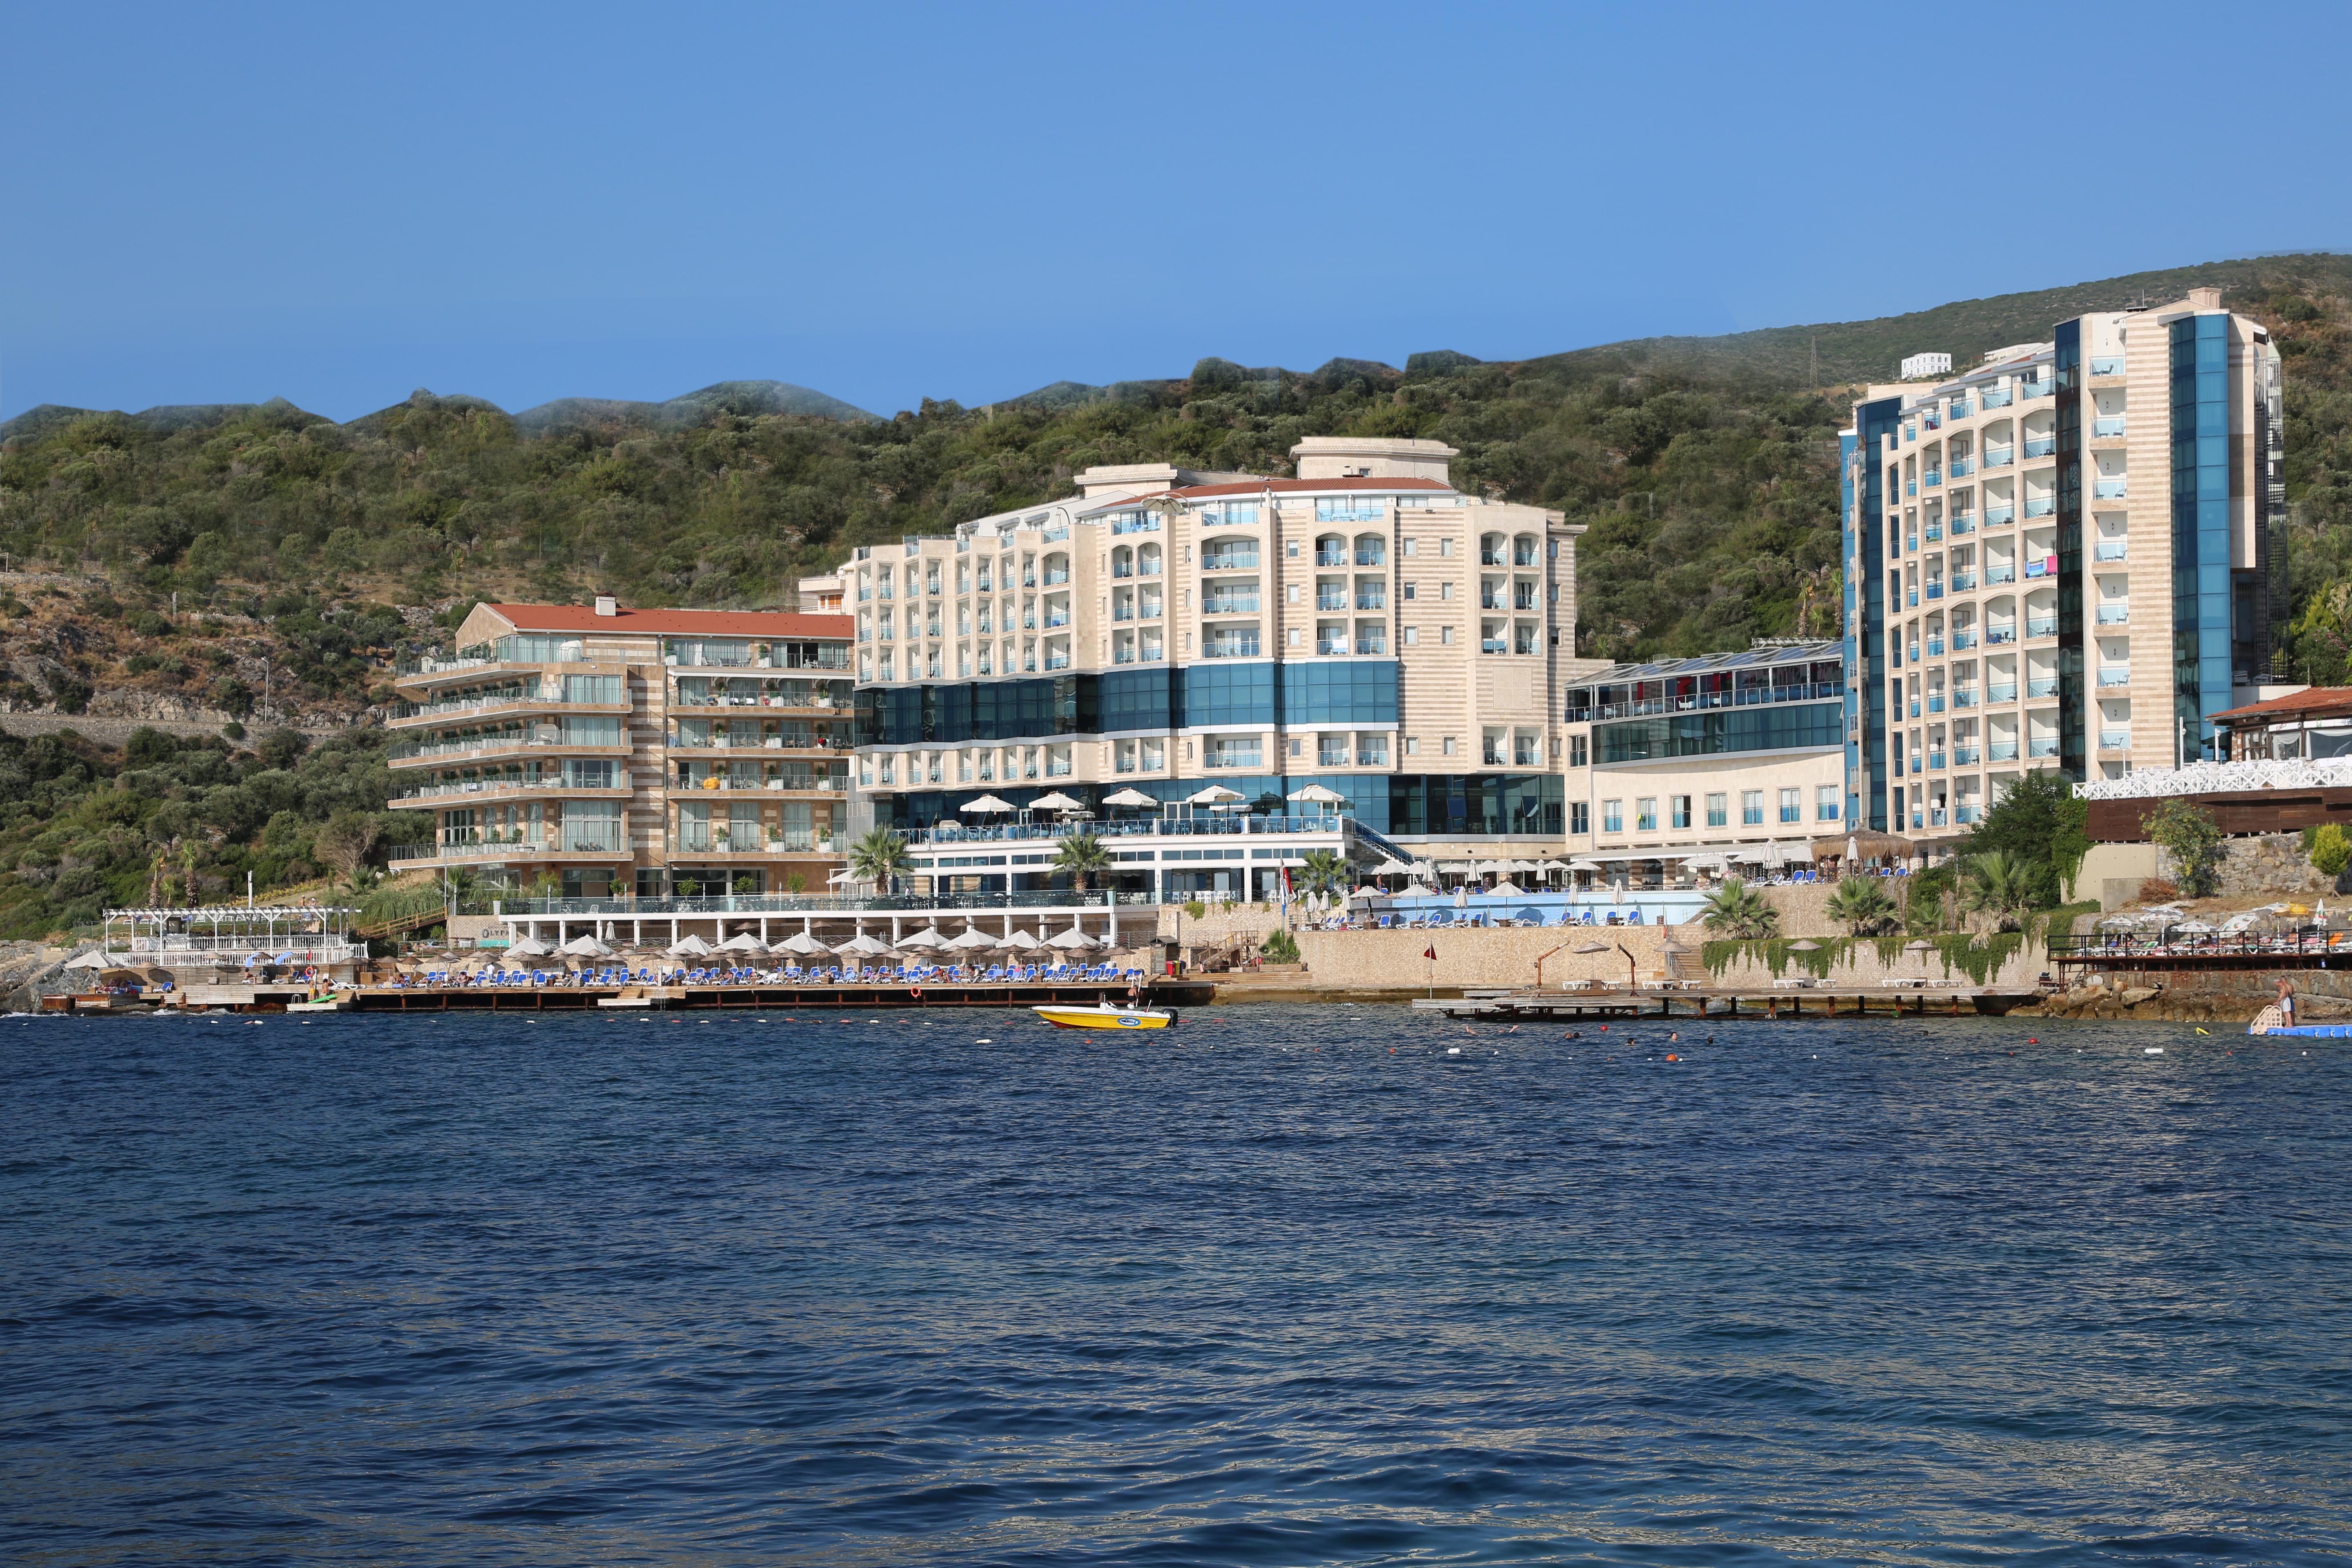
x=1288, y=1286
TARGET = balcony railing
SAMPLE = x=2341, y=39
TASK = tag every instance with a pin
x=2115, y=614
x=1934, y=647
x=2041, y=445
x=2042, y=625
x=2037, y=388
x=1962, y=640
x=1996, y=574
x=1934, y=762
x=1961, y=467
x=786, y=743
x=1960, y=408
x=1337, y=600
x=2002, y=752
x=2110, y=489
x=1935, y=587
x=470, y=787
x=1994, y=635
x=820, y=784
x=1966, y=756
x=2107, y=425
x=2109, y=550
x=2045, y=747
x=2042, y=686
x=476, y=745
x=1935, y=532
x=1935, y=702
x=2001, y=690
x=2115, y=675
x=2114, y=740
x=1931, y=476
x=1962, y=582
x=1964, y=697
x=1962, y=522
x=1964, y=815
x=2112, y=366
x=1695, y=701
x=2041, y=507
x=2000, y=457
x=1331, y=558
x=1995, y=397
x=2000, y=516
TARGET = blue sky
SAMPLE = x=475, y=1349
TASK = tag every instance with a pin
x=340, y=203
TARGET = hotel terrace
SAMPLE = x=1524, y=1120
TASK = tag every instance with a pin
x=2059, y=559
x=1364, y=630
x=630, y=754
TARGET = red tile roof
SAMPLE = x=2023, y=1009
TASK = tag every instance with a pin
x=2313, y=699
x=677, y=623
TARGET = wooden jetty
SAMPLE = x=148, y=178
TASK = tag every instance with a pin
x=1715, y=1002
x=732, y=998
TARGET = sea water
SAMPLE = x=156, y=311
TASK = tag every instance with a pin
x=1287, y=1285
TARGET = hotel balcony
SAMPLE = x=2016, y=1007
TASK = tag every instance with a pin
x=741, y=784
x=2115, y=614
x=557, y=786
x=416, y=715
x=542, y=844
x=2115, y=675
x=2114, y=740
x=519, y=743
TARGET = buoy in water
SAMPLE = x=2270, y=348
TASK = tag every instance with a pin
x=2153, y=1051
x=1454, y=1050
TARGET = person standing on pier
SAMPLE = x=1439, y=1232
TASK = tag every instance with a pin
x=2286, y=1001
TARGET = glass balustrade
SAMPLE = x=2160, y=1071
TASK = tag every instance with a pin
x=2115, y=614
x=2109, y=550
x=2042, y=625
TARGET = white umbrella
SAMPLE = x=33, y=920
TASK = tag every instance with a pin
x=801, y=943
x=529, y=947
x=2232, y=926
x=1507, y=890
x=840, y=876
x=1584, y=866
x=1056, y=801
x=1072, y=939
x=987, y=803
x=742, y=942
x=1460, y=898
x=1216, y=794
x=587, y=947
x=690, y=947
x=1391, y=866
x=96, y=959
x=1517, y=866
x=1318, y=794
x=971, y=939
x=1130, y=796
x=2194, y=928
x=925, y=938
x=1019, y=941
x=1418, y=890
x=863, y=945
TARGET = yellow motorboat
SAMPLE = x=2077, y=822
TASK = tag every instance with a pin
x=1103, y=1015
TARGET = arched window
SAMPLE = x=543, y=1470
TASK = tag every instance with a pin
x=1057, y=569
x=1331, y=550
x=1122, y=561
x=1146, y=561
x=1490, y=550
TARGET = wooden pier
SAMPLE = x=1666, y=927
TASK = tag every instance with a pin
x=731, y=998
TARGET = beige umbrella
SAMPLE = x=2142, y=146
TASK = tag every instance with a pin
x=984, y=806
x=1130, y=796
x=1216, y=794
x=1056, y=801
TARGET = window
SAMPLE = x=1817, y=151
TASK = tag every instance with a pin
x=1445, y=547
x=1576, y=751
x=1445, y=593
x=1825, y=803
x=1449, y=745
x=1405, y=547
x=1715, y=810
x=1679, y=806
x=1233, y=752
x=1413, y=745
x=1298, y=747
x=1446, y=635
x=1751, y=807
x=1646, y=814
x=1579, y=817
x=1612, y=816
x=1793, y=806
x=1491, y=752
x=1330, y=751
x=1409, y=591
x=1412, y=636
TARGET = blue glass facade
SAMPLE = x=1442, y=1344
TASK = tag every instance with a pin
x=1872, y=423
x=1781, y=727
x=2201, y=525
x=1256, y=694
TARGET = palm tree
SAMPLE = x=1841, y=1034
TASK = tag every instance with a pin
x=1864, y=905
x=1741, y=911
x=1323, y=871
x=879, y=858
x=1998, y=884
x=1082, y=855
x=458, y=883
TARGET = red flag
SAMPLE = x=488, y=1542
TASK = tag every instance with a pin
x=1429, y=953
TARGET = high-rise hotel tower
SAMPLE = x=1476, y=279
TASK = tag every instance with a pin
x=2059, y=557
